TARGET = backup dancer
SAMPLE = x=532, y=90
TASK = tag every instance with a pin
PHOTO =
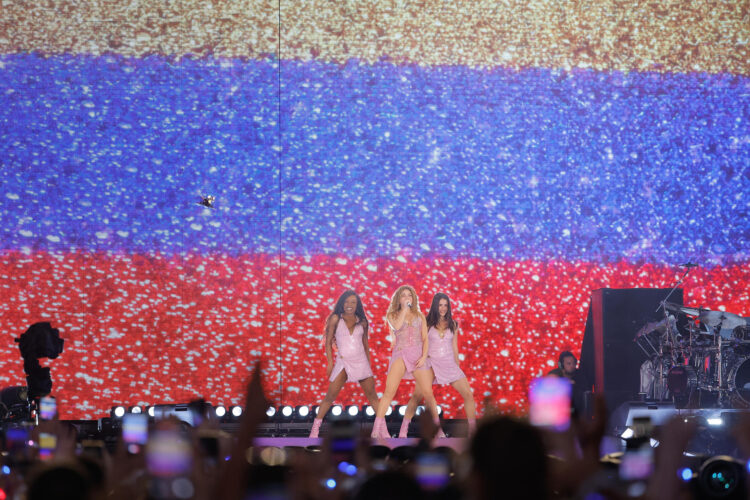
x=443, y=358
x=347, y=327
x=409, y=358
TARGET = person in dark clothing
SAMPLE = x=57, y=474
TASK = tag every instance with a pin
x=567, y=367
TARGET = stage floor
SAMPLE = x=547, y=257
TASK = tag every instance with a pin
x=457, y=444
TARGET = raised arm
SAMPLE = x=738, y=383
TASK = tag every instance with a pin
x=396, y=321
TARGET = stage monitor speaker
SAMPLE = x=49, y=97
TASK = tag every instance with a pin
x=610, y=358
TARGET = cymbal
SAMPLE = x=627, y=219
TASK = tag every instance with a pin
x=679, y=308
x=671, y=306
x=727, y=320
x=690, y=311
x=655, y=326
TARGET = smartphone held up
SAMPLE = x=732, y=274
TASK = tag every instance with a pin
x=549, y=403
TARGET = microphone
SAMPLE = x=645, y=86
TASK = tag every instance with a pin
x=408, y=304
x=689, y=265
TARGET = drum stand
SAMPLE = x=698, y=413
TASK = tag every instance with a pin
x=724, y=399
x=672, y=340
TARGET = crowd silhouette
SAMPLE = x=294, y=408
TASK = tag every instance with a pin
x=506, y=457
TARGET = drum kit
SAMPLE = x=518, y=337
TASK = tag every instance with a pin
x=695, y=353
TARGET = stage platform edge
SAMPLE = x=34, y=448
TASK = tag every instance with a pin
x=457, y=444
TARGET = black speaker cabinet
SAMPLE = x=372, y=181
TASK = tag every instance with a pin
x=610, y=358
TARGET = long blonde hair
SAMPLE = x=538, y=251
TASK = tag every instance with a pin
x=395, y=306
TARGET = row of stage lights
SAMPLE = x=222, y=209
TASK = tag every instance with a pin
x=285, y=413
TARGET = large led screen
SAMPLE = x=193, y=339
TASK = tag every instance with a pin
x=514, y=155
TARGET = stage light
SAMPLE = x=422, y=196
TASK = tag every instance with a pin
x=135, y=409
x=401, y=410
x=369, y=411
x=389, y=411
x=352, y=410
x=270, y=412
x=315, y=410
x=236, y=411
x=220, y=411
x=287, y=411
x=39, y=341
x=439, y=410
x=330, y=483
x=337, y=410
x=686, y=474
x=715, y=421
x=117, y=412
x=420, y=410
x=302, y=412
x=187, y=413
x=627, y=433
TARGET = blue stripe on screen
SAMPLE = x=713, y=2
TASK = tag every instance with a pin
x=110, y=154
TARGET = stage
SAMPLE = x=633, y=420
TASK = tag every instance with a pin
x=456, y=444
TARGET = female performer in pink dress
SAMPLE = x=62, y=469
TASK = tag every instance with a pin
x=409, y=358
x=443, y=358
x=346, y=326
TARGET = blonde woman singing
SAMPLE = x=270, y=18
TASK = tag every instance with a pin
x=409, y=358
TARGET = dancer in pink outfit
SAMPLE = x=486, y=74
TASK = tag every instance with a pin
x=347, y=327
x=443, y=359
x=409, y=358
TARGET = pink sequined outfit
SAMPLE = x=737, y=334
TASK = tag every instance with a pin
x=351, y=355
x=408, y=347
x=440, y=354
